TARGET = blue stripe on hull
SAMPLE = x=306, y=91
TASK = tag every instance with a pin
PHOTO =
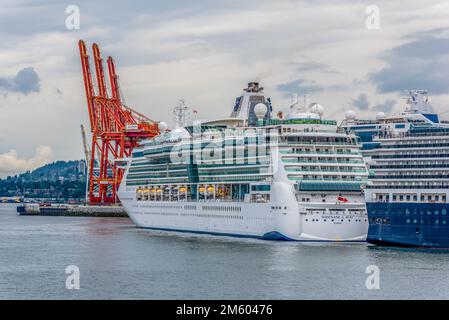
x=274, y=235
x=409, y=224
x=271, y=236
x=235, y=235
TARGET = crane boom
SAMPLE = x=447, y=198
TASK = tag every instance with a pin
x=86, y=150
x=109, y=120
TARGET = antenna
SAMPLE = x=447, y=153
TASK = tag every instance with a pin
x=305, y=101
x=181, y=114
x=294, y=99
x=294, y=103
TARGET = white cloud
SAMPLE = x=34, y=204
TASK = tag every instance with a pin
x=203, y=51
x=11, y=163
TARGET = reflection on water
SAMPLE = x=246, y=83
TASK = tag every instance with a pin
x=117, y=260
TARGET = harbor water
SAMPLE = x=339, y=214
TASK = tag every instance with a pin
x=116, y=260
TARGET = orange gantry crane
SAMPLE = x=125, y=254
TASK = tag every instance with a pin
x=116, y=129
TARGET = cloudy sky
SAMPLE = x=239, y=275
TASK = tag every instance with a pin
x=205, y=52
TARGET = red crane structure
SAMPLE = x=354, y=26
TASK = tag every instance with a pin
x=116, y=129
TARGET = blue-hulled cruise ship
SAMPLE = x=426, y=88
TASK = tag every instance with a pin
x=408, y=160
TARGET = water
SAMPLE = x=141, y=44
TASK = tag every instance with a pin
x=118, y=261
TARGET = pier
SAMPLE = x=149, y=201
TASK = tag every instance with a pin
x=71, y=210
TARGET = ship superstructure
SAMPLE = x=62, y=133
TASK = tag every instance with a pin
x=251, y=175
x=408, y=161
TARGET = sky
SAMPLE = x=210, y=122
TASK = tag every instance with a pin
x=205, y=52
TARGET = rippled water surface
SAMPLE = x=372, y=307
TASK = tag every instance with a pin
x=119, y=261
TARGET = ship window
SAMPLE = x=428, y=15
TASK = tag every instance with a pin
x=437, y=212
x=260, y=188
x=443, y=212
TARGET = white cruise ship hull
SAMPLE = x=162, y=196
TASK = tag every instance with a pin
x=251, y=175
x=268, y=221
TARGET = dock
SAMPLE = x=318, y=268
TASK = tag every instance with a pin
x=71, y=210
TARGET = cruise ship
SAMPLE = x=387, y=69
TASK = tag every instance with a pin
x=253, y=174
x=408, y=160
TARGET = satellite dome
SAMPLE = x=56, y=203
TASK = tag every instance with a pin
x=350, y=115
x=179, y=133
x=380, y=115
x=316, y=108
x=260, y=110
x=163, y=126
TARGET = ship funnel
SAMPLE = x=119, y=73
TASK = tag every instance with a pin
x=245, y=105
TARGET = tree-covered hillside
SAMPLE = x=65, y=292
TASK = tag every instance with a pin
x=60, y=179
